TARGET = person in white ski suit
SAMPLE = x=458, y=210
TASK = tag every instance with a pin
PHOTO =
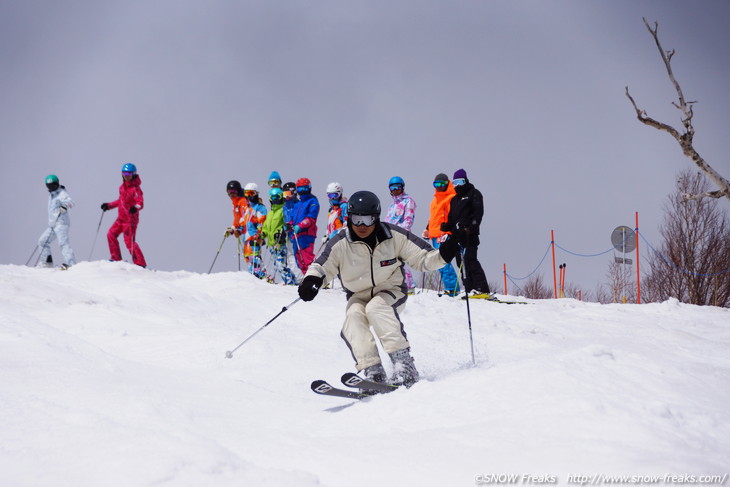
x=368, y=257
x=59, y=202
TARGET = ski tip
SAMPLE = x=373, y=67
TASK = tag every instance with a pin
x=320, y=386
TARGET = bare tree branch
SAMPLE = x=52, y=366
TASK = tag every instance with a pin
x=685, y=139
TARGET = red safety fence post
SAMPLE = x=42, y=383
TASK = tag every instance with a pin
x=638, y=274
x=505, y=278
x=555, y=279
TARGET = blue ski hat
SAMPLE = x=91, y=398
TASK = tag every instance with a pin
x=274, y=176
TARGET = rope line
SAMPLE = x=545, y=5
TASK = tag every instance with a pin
x=659, y=254
x=630, y=235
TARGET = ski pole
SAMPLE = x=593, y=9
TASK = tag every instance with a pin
x=225, y=236
x=96, y=235
x=50, y=234
x=229, y=354
x=462, y=270
x=31, y=255
x=239, y=253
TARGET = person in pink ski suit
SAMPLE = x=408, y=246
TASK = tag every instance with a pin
x=130, y=201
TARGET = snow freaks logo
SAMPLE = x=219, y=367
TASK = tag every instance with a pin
x=515, y=479
x=384, y=263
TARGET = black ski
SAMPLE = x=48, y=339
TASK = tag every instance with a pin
x=354, y=380
x=323, y=388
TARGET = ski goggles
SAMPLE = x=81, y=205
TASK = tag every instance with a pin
x=440, y=184
x=362, y=220
x=276, y=200
x=232, y=191
x=333, y=196
x=129, y=173
x=288, y=194
x=275, y=183
x=304, y=189
x=395, y=187
x=249, y=192
x=459, y=182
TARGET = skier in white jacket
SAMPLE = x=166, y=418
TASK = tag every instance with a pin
x=59, y=202
x=368, y=258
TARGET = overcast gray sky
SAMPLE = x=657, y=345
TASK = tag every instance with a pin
x=527, y=96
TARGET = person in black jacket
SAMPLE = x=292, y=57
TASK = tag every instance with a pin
x=465, y=217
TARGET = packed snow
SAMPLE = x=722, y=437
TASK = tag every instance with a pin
x=116, y=376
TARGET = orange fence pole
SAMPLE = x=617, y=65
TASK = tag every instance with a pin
x=638, y=274
x=555, y=279
x=505, y=278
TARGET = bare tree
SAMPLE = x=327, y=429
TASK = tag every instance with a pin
x=621, y=287
x=693, y=263
x=534, y=288
x=685, y=139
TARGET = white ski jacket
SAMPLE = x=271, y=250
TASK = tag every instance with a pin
x=363, y=269
x=56, y=200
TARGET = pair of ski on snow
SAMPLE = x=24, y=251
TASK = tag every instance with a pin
x=361, y=388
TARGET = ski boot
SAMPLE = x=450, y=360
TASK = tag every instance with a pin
x=375, y=373
x=405, y=373
x=48, y=263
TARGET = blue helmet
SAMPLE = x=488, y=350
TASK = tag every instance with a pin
x=396, y=180
x=129, y=167
x=276, y=195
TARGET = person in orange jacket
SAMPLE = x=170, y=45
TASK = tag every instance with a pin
x=439, y=213
x=239, y=201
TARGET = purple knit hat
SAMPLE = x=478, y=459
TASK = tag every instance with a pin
x=460, y=174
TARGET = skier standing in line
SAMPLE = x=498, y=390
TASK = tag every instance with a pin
x=59, y=202
x=337, y=213
x=440, y=205
x=303, y=224
x=239, y=201
x=402, y=213
x=368, y=257
x=290, y=201
x=252, y=222
x=274, y=180
x=275, y=237
x=465, y=218
x=130, y=201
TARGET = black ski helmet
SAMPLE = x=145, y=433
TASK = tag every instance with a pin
x=363, y=203
x=234, y=185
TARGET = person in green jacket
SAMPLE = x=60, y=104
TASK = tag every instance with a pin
x=274, y=236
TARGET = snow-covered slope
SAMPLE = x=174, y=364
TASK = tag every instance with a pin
x=114, y=375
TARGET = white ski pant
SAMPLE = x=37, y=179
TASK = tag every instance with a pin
x=380, y=312
x=61, y=232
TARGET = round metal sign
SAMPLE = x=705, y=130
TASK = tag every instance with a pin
x=622, y=239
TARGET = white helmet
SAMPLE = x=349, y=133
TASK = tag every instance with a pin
x=251, y=187
x=334, y=188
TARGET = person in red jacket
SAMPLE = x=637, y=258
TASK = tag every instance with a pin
x=130, y=201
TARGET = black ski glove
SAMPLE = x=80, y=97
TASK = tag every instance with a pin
x=449, y=249
x=309, y=287
x=133, y=210
x=105, y=206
